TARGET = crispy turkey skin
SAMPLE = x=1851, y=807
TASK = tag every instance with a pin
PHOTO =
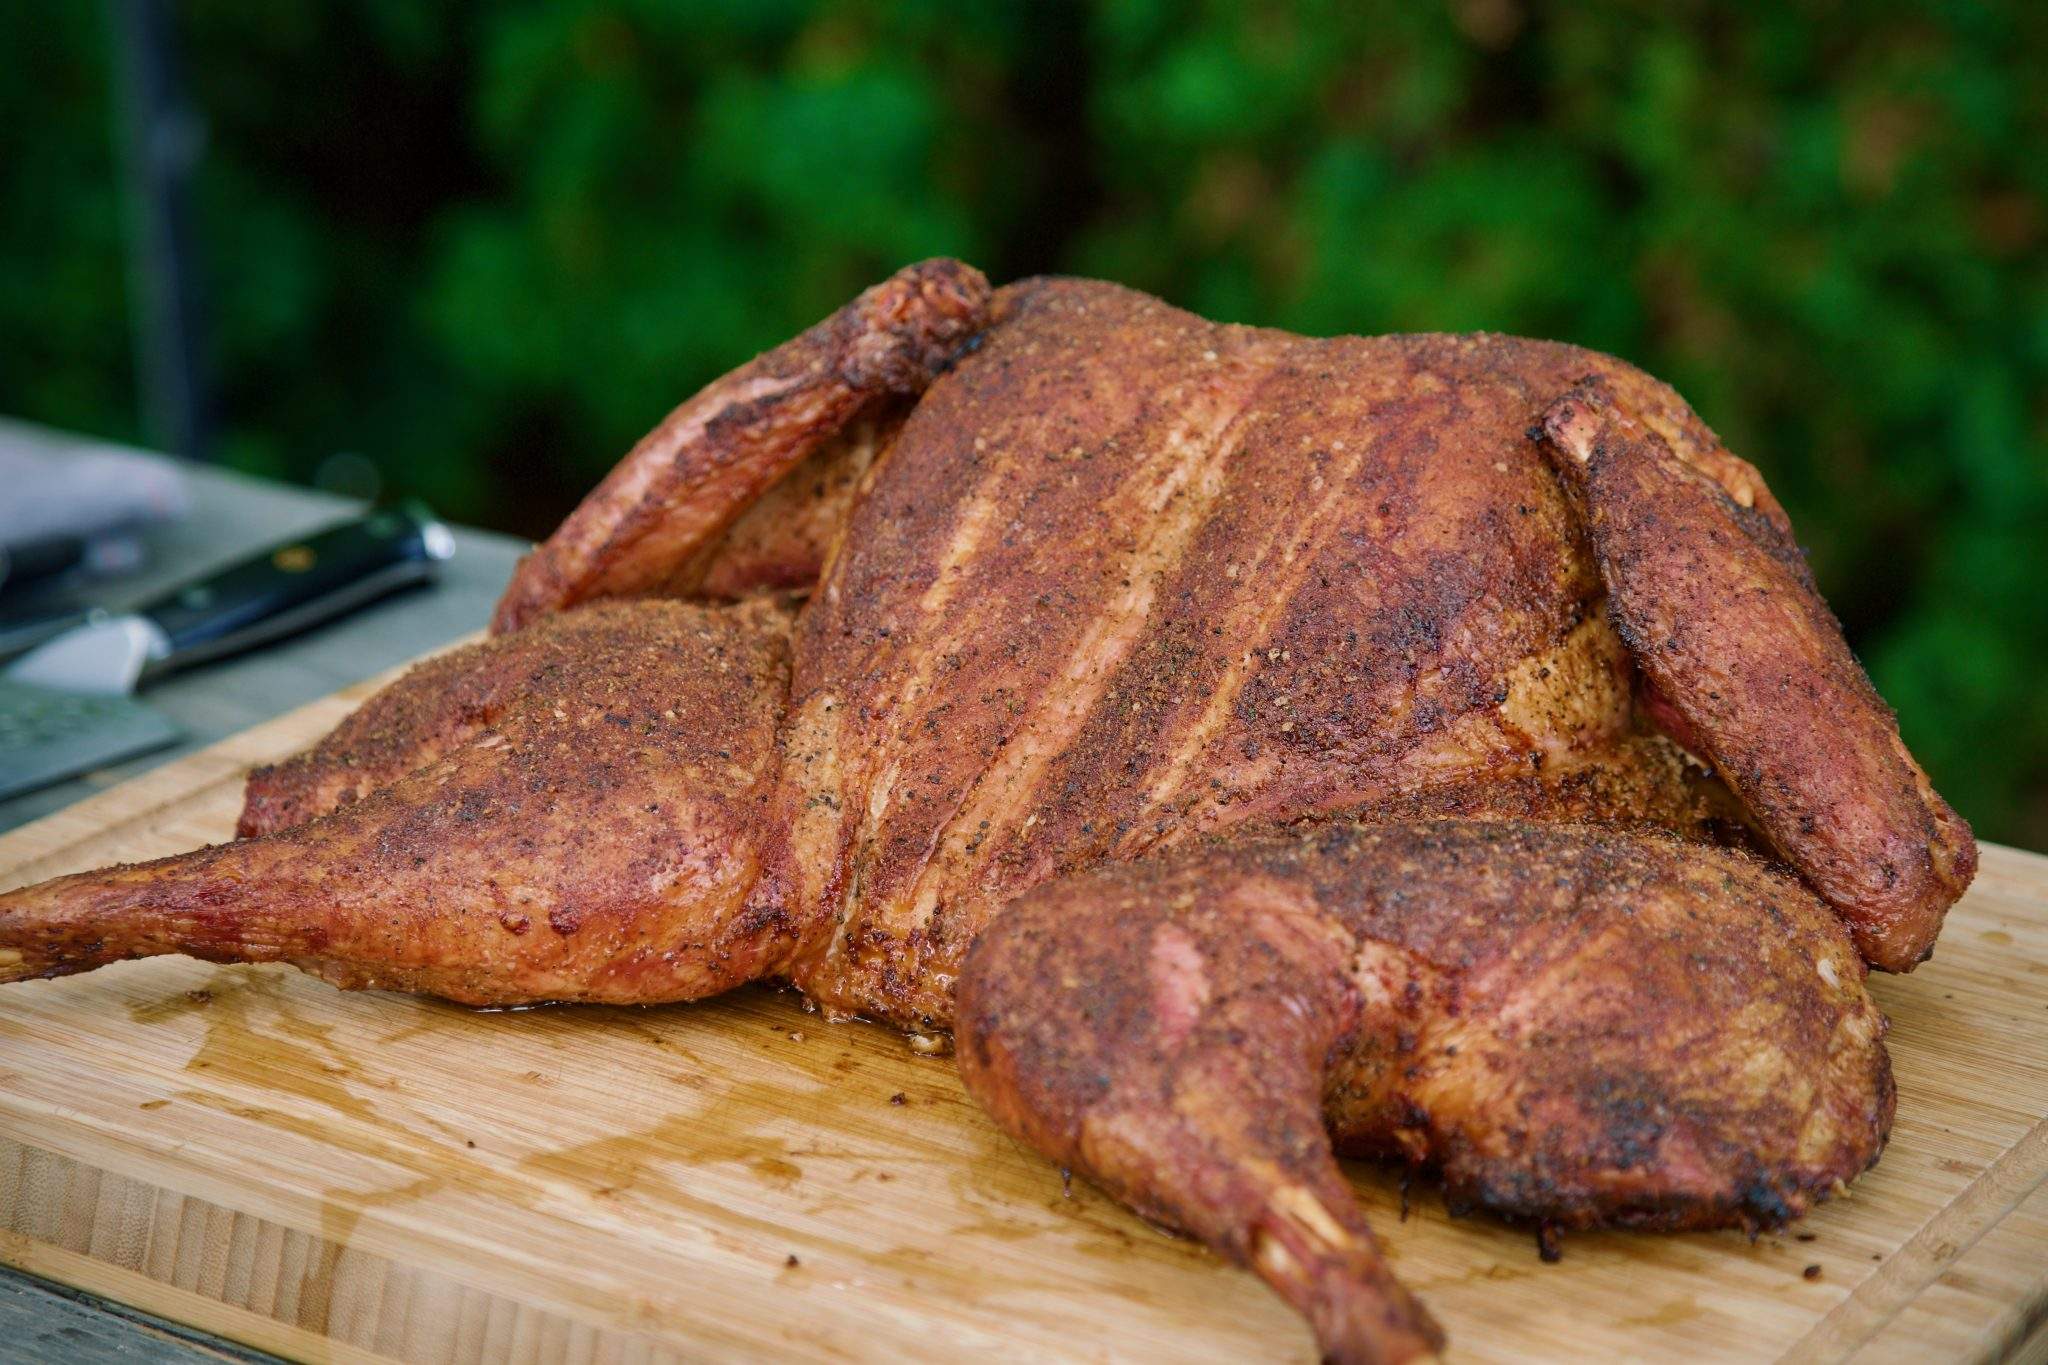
x=1254, y=746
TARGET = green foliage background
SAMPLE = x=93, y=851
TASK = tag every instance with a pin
x=486, y=243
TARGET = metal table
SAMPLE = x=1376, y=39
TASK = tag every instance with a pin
x=232, y=515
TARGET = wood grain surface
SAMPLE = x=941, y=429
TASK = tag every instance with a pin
x=362, y=1177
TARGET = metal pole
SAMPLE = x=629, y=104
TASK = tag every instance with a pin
x=161, y=142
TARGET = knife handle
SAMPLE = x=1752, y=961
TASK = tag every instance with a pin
x=300, y=583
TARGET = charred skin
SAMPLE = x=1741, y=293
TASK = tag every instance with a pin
x=1101, y=596
x=452, y=699
x=782, y=543
x=1722, y=616
x=1129, y=579
x=577, y=816
x=1571, y=1024
x=648, y=527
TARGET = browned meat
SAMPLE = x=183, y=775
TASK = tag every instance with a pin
x=582, y=823
x=1722, y=616
x=642, y=529
x=1130, y=578
x=782, y=542
x=1123, y=584
x=1578, y=1026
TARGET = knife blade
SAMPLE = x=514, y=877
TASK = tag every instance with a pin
x=46, y=735
x=276, y=592
x=64, y=705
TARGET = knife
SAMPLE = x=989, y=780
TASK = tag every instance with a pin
x=63, y=705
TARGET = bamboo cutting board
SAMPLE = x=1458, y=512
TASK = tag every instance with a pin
x=354, y=1177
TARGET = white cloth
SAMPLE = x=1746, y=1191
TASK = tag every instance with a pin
x=83, y=489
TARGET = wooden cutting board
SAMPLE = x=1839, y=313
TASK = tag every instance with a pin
x=352, y=1177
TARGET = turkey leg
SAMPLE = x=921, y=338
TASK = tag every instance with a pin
x=1575, y=1025
x=573, y=813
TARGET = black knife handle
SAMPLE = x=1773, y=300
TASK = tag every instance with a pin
x=300, y=583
